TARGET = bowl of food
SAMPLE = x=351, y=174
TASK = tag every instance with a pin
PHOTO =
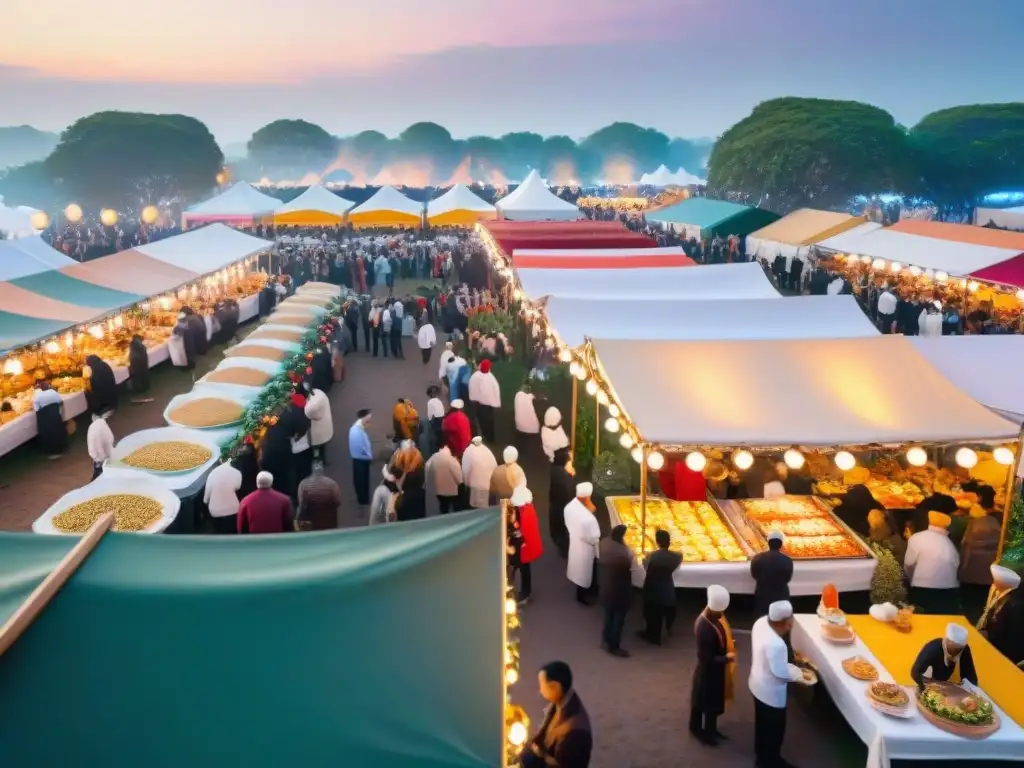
x=958, y=711
x=279, y=332
x=139, y=506
x=274, y=350
x=840, y=634
x=889, y=699
x=246, y=372
x=860, y=668
x=165, y=451
x=201, y=409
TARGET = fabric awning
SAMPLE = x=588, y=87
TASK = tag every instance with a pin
x=961, y=233
x=792, y=234
x=317, y=206
x=510, y=243
x=19, y=330
x=804, y=392
x=718, y=281
x=19, y=301
x=609, y=258
x=803, y=317
x=204, y=250
x=130, y=270
x=552, y=227
x=29, y=256
x=702, y=217
x=55, y=285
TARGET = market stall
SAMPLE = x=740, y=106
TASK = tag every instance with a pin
x=793, y=234
x=901, y=731
x=1009, y=218
x=599, y=258
x=459, y=207
x=29, y=256
x=1009, y=273
x=241, y=204
x=387, y=208
x=701, y=218
x=822, y=406
x=533, y=201
x=663, y=178
x=316, y=207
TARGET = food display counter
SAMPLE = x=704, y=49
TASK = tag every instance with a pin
x=717, y=538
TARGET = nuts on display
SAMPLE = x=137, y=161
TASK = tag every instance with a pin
x=246, y=377
x=169, y=456
x=132, y=512
x=280, y=334
x=207, y=412
x=258, y=351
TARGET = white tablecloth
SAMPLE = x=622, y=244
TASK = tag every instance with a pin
x=890, y=738
x=809, y=576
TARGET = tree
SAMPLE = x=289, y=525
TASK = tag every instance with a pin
x=128, y=158
x=638, y=150
x=22, y=144
x=965, y=153
x=559, y=159
x=689, y=154
x=292, y=143
x=368, y=151
x=795, y=152
x=429, y=144
x=29, y=184
x=523, y=152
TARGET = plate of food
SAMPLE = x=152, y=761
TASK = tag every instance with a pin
x=840, y=634
x=956, y=710
x=809, y=676
x=205, y=409
x=889, y=699
x=139, y=506
x=860, y=668
x=165, y=451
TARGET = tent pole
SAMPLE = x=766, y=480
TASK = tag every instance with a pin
x=36, y=602
x=572, y=427
x=597, y=428
x=643, y=501
x=503, y=505
x=1011, y=486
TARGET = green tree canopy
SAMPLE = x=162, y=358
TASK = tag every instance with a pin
x=432, y=144
x=965, y=153
x=560, y=158
x=115, y=158
x=524, y=151
x=29, y=184
x=292, y=143
x=795, y=152
x=644, y=149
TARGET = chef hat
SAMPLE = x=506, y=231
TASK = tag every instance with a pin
x=584, y=490
x=775, y=536
x=520, y=496
x=478, y=440
x=485, y=366
x=1004, y=577
x=718, y=598
x=780, y=610
x=956, y=633
x=458, y=405
x=510, y=454
x=448, y=345
x=939, y=519
x=552, y=417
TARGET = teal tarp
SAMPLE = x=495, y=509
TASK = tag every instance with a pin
x=19, y=330
x=25, y=560
x=715, y=217
x=55, y=285
x=373, y=647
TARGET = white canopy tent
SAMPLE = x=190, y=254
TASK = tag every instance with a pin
x=26, y=256
x=240, y=202
x=206, y=249
x=16, y=222
x=317, y=198
x=663, y=177
x=458, y=198
x=954, y=258
x=804, y=317
x=718, y=281
x=803, y=392
x=533, y=201
x=1009, y=218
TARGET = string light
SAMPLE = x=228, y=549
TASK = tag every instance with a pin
x=612, y=425
x=895, y=267
x=793, y=458
x=966, y=458
x=602, y=397
x=941, y=276
x=655, y=460
x=917, y=456
x=696, y=461
x=637, y=453
x=591, y=387
x=581, y=373
x=625, y=441
x=845, y=461
x=878, y=264
x=574, y=368
x=743, y=459
x=73, y=213
x=565, y=355
x=1003, y=455
x=613, y=410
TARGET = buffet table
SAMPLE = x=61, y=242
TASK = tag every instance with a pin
x=848, y=574
x=890, y=738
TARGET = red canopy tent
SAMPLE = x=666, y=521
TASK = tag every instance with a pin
x=625, y=239
x=553, y=227
x=594, y=258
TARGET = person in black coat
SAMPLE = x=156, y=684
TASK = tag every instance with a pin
x=854, y=509
x=615, y=564
x=659, y=590
x=322, y=377
x=197, y=329
x=772, y=572
x=561, y=491
x=138, y=366
x=102, y=393
x=708, y=696
x=246, y=463
x=276, y=453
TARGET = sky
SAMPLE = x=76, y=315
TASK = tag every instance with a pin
x=690, y=68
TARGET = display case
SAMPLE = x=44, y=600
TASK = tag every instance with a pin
x=811, y=530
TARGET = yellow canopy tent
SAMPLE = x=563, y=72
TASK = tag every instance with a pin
x=459, y=207
x=791, y=234
x=387, y=208
x=316, y=207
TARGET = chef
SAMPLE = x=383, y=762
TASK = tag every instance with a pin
x=945, y=659
x=770, y=675
x=932, y=564
x=1003, y=620
x=478, y=464
x=584, y=536
x=714, y=675
x=771, y=572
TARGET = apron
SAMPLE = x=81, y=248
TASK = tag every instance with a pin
x=725, y=635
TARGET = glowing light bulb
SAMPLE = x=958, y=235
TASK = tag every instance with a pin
x=612, y=425
x=743, y=459
x=878, y=264
x=581, y=374
x=517, y=734
x=655, y=460
x=793, y=458
x=517, y=294
x=565, y=355
x=915, y=271
x=696, y=461
x=895, y=267
x=866, y=259
x=613, y=410
x=511, y=676
x=917, y=456
x=637, y=453
x=39, y=220
x=96, y=331
x=52, y=347
x=602, y=397
x=625, y=441
x=972, y=286
x=510, y=607
x=1003, y=455
x=966, y=458
x=845, y=461
x=69, y=339
x=591, y=387
x=574, y=368
x=941, y=276
x=73, y=213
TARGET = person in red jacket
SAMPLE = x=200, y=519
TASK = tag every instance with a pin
x=680, y=483
x=456, y=430
x=525, y=540
x=265, y=510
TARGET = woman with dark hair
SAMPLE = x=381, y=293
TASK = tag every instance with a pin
x=854, y=509
x=49, y=408
x=138, y=367
x=101, y=394
x=561, y=491
x=246, y=463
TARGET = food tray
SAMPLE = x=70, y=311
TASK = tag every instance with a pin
x=267, y=366
x=136, y=440
x=749, y=508
x=105, y=486
x=848, y=669
x=614, y=502
x=957, y=729
x=904, y=712
x=205, y=392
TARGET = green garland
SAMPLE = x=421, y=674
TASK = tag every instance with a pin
x=274, y=396
x=1013, y=552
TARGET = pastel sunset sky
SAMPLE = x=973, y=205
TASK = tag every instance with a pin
x=688, y=67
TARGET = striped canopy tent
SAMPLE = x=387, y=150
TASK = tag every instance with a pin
x=29, y=256
x=508, y=244
x=597, y=258
x=793, y=234
x=701, y=218
x=459, y=207
x=316, y=207
x=387, y=208
x=504, y=226
x=1010, y=218
x=1009, y=272
x=240, y=204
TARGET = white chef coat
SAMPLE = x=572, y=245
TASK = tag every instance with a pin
x=442, y=368
x=100, y=441
x=584, y=536
x=478, y=464
x=932, y=560
x=484, y=389
x=435, y=408
x=427, y=336
x=526, y=414
x=770, y=672
x=835, y=287
x=221, y=492
x=887, y=304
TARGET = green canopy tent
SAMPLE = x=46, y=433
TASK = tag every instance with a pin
x=56, y=285
x=702, y=217
x=19, y=330
x=379, y=646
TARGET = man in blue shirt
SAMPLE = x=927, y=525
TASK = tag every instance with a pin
x=362, y=454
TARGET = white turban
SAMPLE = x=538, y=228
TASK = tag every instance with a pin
x=718, y=598
x=448, y=345
x=552, y=417
x=775, y=536
x=1005, y=577
x=584, y=490
x=520, y=496
x=458, y=405
x=478, y=440
x=956, y=633
x=780, y=610
x=510, y=454
x=264, y=480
